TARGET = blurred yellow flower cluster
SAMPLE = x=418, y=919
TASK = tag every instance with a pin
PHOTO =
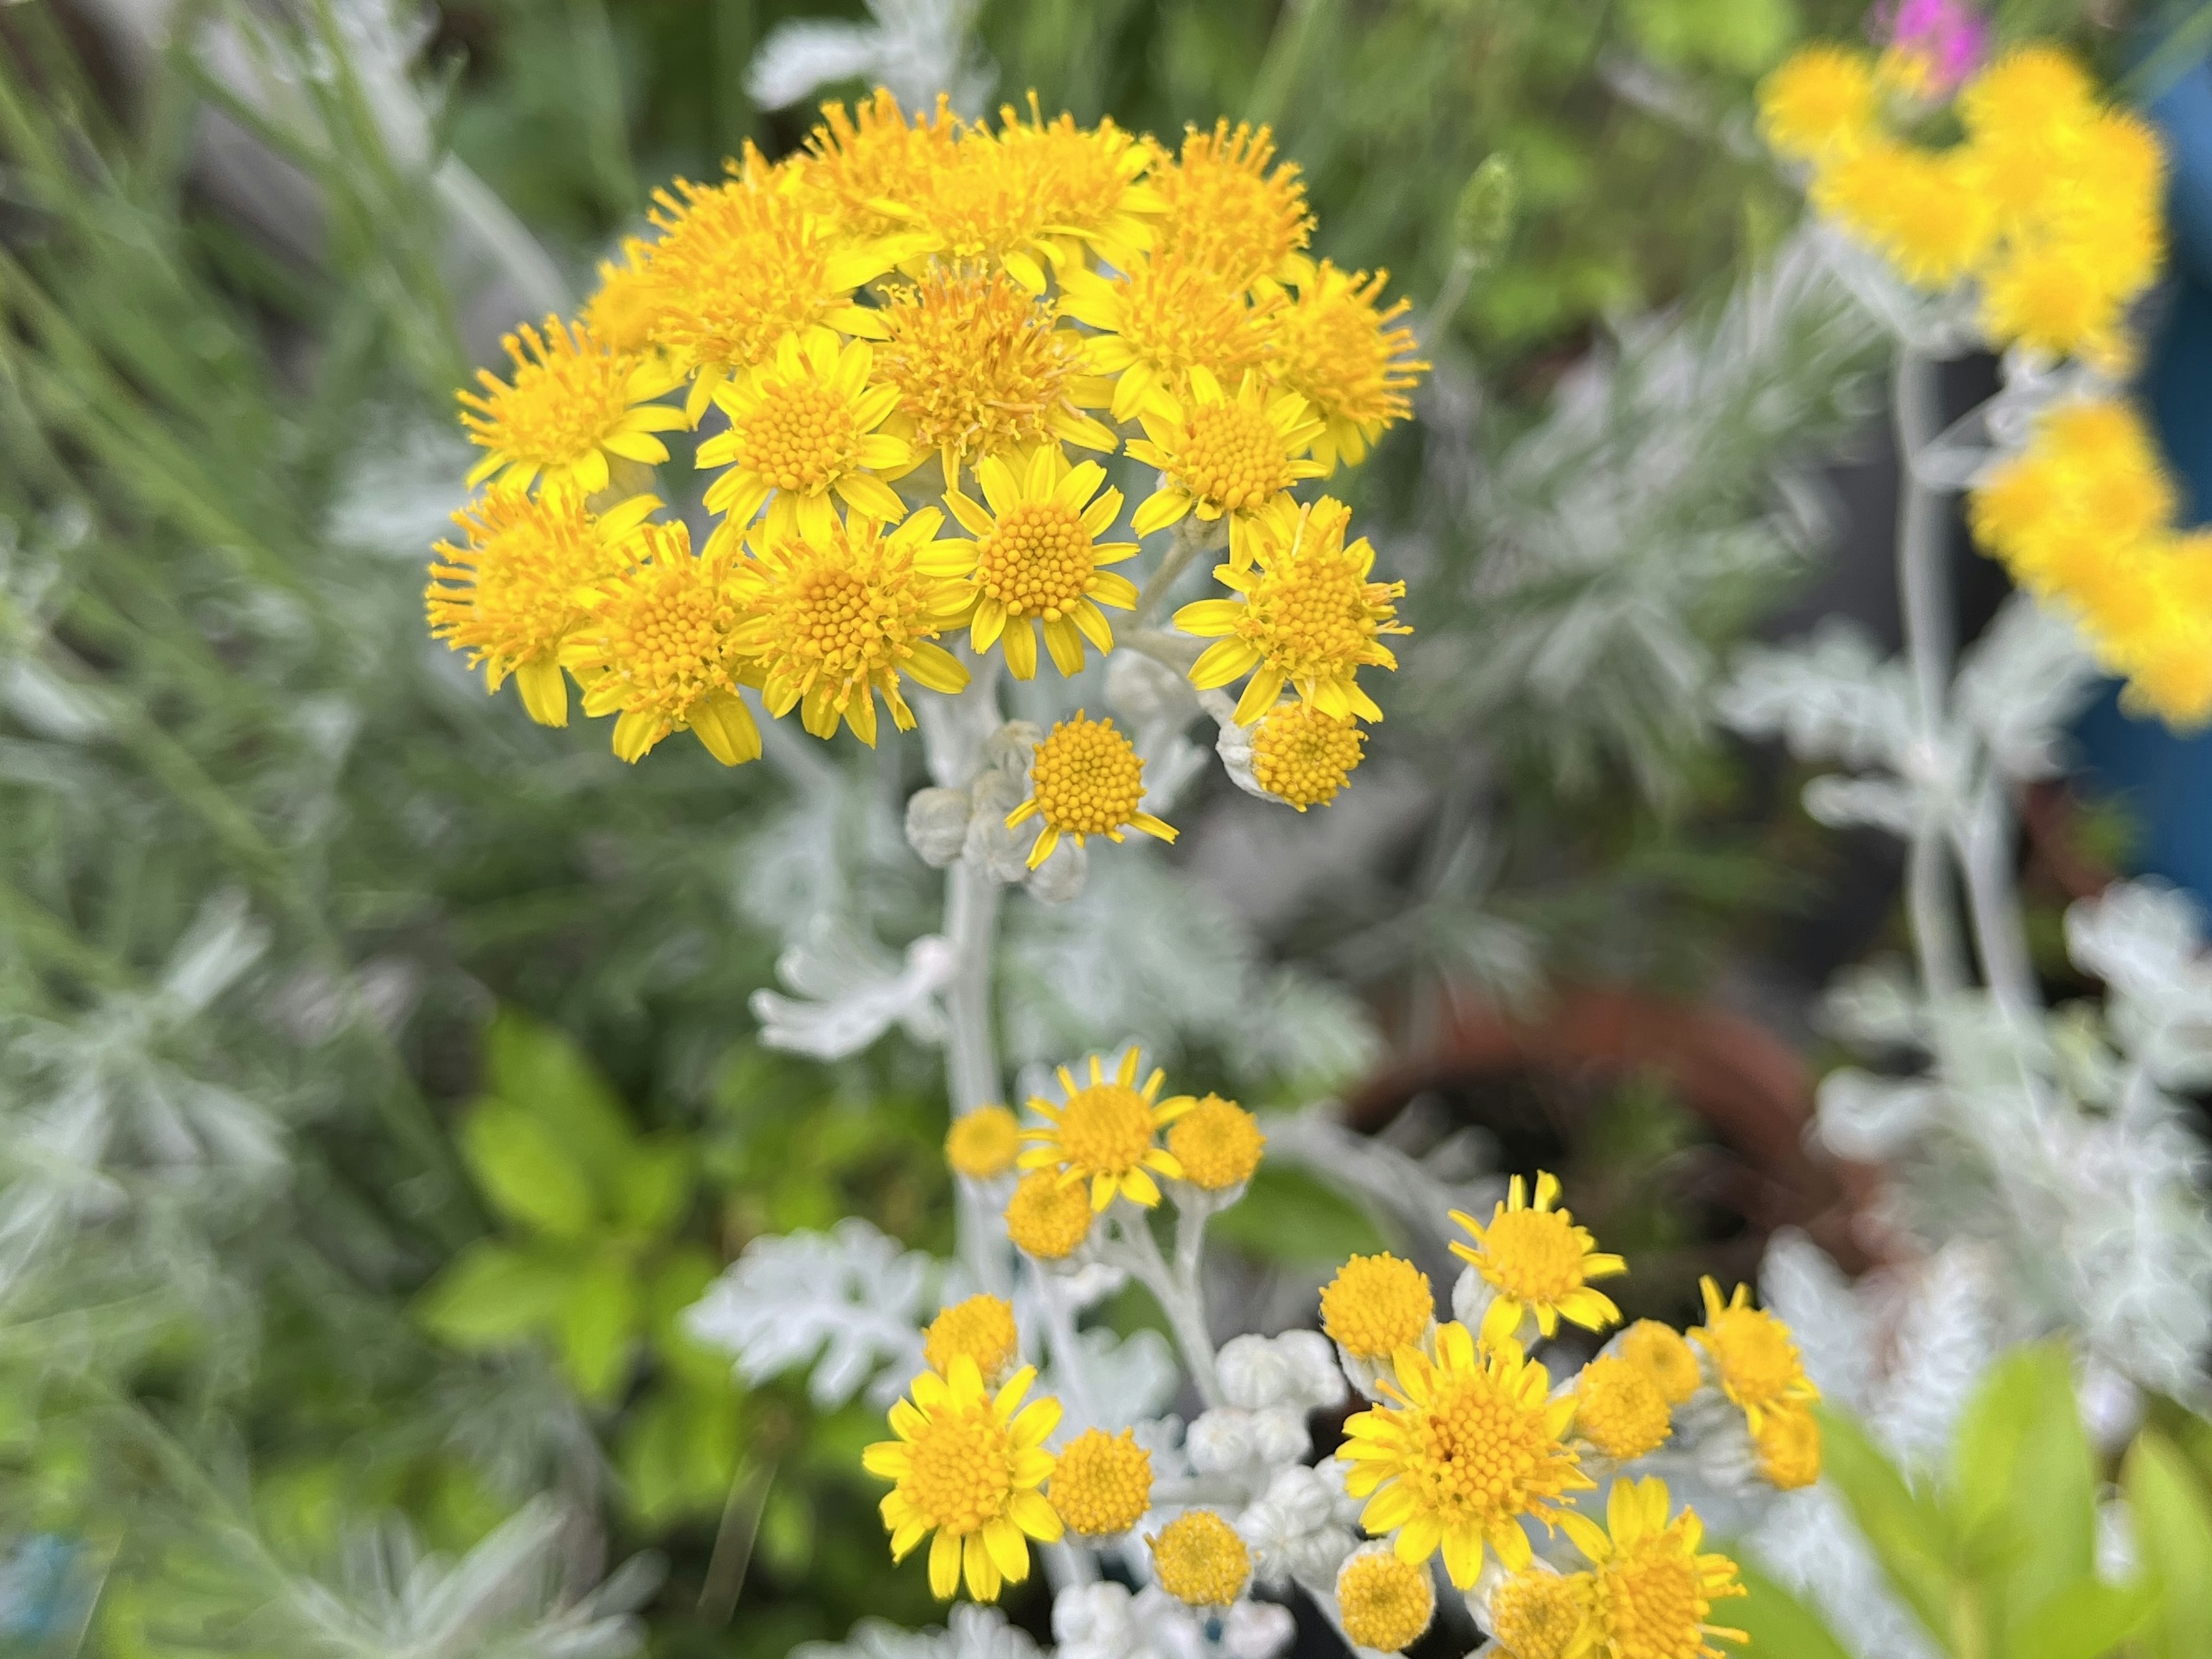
x=2051, y=203
x=895, y=343
x=2084, y=519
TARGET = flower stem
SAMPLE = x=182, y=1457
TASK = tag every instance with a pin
x=1185, y=1311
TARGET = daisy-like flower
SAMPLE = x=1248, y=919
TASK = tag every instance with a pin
x=802, y=430
x=1620, y=1410
x=967, y=1466
x=1751, y=1355
x=982, y=366
x=1304, y=758
x=983, y=1143
x=1661, y=1353
x=621, y=315
x=1820, y=100
x=741, y=264
x=1103, y=1485
x=1229, y=213
x=510, y=592
x=1218, y=1143
x=570, y=404
x=982, y=1329
x=1539, y=1263
x=837, y=620
x=1337, y=347
x=661, y=653
x=1036, y=562
x=1224, y=457
x=1917, y=208
x=1539, y=1614
x=857, y=166
x=1102, y=1133
x=1086, y=780
x=1789, y=1444
x=1046, y=1219
x=1464, y=1446
x=1307, y=617
x=1198, y=1559
x=1378, y=1305
x=1161, y=318
x=1385, y=1603
x=1650, y=1590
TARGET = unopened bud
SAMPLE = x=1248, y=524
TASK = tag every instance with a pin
x=1483, y=223
x=937, y=825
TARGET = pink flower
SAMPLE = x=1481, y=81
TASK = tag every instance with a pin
x=1948, y=38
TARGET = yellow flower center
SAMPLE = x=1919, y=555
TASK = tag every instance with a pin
x=1659, y=1352
x=1225, y=210
x=1338, y=352
x=1375, y=1305
x=1478, y=1453
x=1047, y=1220
x=1385, y=1603
x=1218, y=1143
x=983, y=1327
x=1303, y=756
x=1107, y=1129
x=1619, y=1409
x=669, y=633
x=1751, y=1349
x=1037, y=562
x=1789, y=1444
x=1177, y=315
x=509, y=595
x=1199, y=1560
x=979, y=365
x=1820, y=97
x=963, y=1469
x=983, y=1143
x=1103, y=1484
x=1315, y=615
x=1086, y=777
x=568, y=394
x=1651, y=1601
x=1532, y=1255
x=739, y=265
x=845, y=614
x=802, y=437
x=1537, y=1615
x=1231, y=456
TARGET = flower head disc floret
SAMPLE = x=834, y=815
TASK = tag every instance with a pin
x=1102, y=1133
x=1789, y=1446
x=1465, y=1446
x=570, y=405
x=1228, y=456
x=1162, y=319
x=1307, y=617
x=1345, y=352
x=1618, y=1410
x=967, y=1466
x=1047, y=1218
x=1822, y=99
x=859, y=167
x=983, y=1143
x=1386, y=1602
x=1229, y=213
x=802, y=435
x=1086, y=780
x=1662, y=1354
x=837, y=620
x=1304, y=758
x=1103, y=1485
x=982, y=1329
x=621, y=313
x=1218, y=1143
x=1541, y=1614
x=1650, y=1590
x=661, y=653
x=1199, y=1559
x=1539, y=1263
x=1377, y=1305
x=1036, y=562
x=514, y=590
x=1752, y=1354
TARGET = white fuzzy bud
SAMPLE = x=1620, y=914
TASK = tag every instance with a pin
x=1254, y=1373
x=1316, y=1381
x=1003, y=852
x=1094, y=1621
x=1256, y=1630
x=1221, y=1440
x=1143, y=690
x=937, y=825
x=1279, y=1435
x=1012, y=747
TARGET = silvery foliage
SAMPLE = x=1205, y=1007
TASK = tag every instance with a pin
x=858, y=990
x=918, y=48
x=971, y=1631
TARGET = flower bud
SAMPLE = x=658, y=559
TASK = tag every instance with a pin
x=937, y=825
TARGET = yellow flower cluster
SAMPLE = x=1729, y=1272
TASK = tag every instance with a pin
x=914, y=308
x=2084, y=518
x=2050, y=202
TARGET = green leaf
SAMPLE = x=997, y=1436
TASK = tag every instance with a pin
x=679, y=1454
x=1777, y=1621
x=597, y=1321
x=530, y=1178
x=492, y=1294
x=2173, y=1533
x=678, y=1280
x=541, y=1071
x=1907, y=1533
x=2023, y=1482
x=652, y=1184
x=2084, y=1620
x=1286, y=1215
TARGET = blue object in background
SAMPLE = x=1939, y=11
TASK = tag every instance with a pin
x=2166, y=780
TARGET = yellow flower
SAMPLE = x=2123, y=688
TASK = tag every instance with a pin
x=801, y=428
x=1307, y=617
x=1161, y=319
x=1917, y=208
x=741, y=264
x=1662, y=1354
x=1086, y=780
x=835, y=620
x=1227, y=213
x=1335, y=347
x=661, y=652
x=1539, y=1263
x=981, y=1329
x=1036, y=562
x=1650, y=1590
x=514, y=590
x=570, y=404
x=1820, y=99
x=1047, y=1220
x=1377, y=1305
x=1620, y=1410
x=1541, y=1614
x=1385, y=1603
x=1789, y=1442
x=982, y=1144
x=1305, y=757
x=621, y=315
x=858, y=167
x=2054, y=297
x=1223, y=456
x=1199, y=1560
x=983, y=368
x=1467, y=1445
x=1101, y=1134
x=1218, y=1143
x=2023, y=116
x=1103, y=1485
x=1751, y=1355
x=968, y=1466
